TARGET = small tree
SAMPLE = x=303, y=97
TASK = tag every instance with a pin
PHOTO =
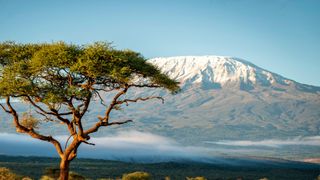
x=60, y=80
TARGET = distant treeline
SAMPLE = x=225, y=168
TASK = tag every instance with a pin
x=37, y=167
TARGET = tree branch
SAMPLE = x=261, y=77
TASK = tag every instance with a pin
x=22, y=129
x=119, y=122
x=5, y=110
x=113, y=103
x=53, y=111
x=86, y=105
x=96, y=127
x=92, y=144
x=45, y=116
x=104, y=121
x=145, y=85
x=96, y=92
x=140, y=99
x=71, y=151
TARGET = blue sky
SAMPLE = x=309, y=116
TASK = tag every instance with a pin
x=282, y=36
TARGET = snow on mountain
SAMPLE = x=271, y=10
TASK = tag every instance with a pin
x=214, y=72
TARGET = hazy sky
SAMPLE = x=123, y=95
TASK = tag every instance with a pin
x=282, y=36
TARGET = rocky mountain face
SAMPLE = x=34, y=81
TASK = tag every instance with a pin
x=227, y=98
x=222, y=98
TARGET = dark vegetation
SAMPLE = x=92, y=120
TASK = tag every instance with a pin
x=35, y=167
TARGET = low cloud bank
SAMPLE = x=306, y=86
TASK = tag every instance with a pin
x=131, y=145
x=147, y=147
x=142, y=146
x=306, y=141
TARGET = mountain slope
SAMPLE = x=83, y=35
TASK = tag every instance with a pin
x=228, y=98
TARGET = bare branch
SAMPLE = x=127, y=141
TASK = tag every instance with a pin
x=7, y=111
x=119, y=122
x=86, y=142
x=45, y=116
x=104, y=121
x=31, y=131
x=53, y=111
x=104, y=90
x=114, y=102
x=145, y=85
x=99, y=96
x=140, y=99
x=66, y=144
x=86, y=105
x=96, y=127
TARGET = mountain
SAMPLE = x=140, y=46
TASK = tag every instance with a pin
x=215, y=72
x=222, y=98
x=227, y=98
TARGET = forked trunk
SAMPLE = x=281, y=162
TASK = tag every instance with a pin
x=64, y=169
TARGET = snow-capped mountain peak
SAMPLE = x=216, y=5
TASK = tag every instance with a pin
x=217, y=71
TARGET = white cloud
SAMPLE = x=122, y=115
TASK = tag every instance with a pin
x=133, y=144
x=310, y=141
x=147, y=147
x=121, y=146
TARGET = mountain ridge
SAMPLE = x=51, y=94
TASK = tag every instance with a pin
x=214, y=72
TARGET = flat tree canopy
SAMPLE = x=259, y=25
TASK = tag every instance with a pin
x=60, y=80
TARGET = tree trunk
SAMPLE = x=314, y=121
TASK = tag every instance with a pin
x=64, y=169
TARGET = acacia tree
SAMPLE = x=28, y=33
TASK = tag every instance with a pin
x=60, y=80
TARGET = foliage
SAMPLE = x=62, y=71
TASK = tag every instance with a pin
x=45, y=177
x=5, y=173
x=264, y=178
x=29, y=121
x=43, y=71
x=53, y=173
x=196, y=178
x=26, y=178
x=72, y=176
x=137, y=176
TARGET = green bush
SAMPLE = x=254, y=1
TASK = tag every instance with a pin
x=136, y=176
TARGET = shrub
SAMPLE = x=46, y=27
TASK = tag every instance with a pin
x=26, y=178
x=137, y=176
x=53, y=174
x=196, y=178
x=47, y=178
x=75, y=176
x=5, y=173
